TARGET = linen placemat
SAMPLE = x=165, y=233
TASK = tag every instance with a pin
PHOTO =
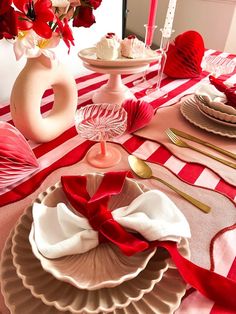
x=171, y=117
x=203, y=226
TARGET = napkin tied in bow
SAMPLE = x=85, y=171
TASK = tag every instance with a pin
x=220, y=289
x=60, y=232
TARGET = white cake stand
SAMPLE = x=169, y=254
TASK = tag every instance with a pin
x=114, y=91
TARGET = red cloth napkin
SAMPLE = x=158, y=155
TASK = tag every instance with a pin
x=214, y=286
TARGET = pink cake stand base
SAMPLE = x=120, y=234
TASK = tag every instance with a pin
x=114, y=91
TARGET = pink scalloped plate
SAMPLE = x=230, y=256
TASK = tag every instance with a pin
x=38, y=292
x=129, y=297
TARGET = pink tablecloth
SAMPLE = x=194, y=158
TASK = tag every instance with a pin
x=68, y=149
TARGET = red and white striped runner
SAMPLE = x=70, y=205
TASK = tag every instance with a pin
x=69, y=148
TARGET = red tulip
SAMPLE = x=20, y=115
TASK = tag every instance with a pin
x=65, y=32
x=84, y=17
x=8, y=25
x=35, y=15
x=4, y=6
x=95, y=3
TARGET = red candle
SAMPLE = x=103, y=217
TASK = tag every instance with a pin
x=150, y=27
x=152, y=13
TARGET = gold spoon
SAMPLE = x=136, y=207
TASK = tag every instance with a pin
x=142, y=170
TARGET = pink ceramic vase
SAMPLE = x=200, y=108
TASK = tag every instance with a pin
x=38, y=75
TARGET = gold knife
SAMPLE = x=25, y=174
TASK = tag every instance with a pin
x=198, y=140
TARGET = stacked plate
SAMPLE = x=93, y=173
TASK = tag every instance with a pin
x=102, y=280
x=216, y=111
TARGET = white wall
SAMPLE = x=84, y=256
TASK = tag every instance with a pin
x=109, y=19
x=231, y=39
x=215, y=20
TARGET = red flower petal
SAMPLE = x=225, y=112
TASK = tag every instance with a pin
x=95, y=3
x=42, y=29
x=8, y=24
x=43, y=10
x=23, y=22
x=84, y=18
x=21, y=5
x=4, y=6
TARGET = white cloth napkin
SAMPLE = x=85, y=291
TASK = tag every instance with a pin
x=213, y=93
x=60, y=232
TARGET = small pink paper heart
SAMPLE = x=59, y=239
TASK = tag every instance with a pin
x=139, y=114
x=17, y=159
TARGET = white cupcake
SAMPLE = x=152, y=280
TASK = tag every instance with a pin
x=131, y=47
x=108, y=47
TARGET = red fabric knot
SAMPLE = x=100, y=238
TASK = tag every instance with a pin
x=96, y=221
x=95, y=209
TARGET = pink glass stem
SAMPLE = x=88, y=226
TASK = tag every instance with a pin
x=103, y=147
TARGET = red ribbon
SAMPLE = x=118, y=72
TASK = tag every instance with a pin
x=96, y=210
x=220, y=289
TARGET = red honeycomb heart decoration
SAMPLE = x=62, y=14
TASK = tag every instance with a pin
x=184, y=56
x=139, y=114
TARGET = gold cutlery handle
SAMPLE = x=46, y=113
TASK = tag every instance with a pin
x=220, y=150
x=205, y=208
x=223, y=161
x=200, y=141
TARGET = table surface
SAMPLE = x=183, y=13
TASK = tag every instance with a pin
x=67, y=151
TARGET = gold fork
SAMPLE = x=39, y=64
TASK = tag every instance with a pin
x=179, y=142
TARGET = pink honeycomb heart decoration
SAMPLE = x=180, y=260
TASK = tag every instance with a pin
x=17, y=159
x=139, y=114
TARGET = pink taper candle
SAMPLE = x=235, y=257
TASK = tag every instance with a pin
x=151, y=22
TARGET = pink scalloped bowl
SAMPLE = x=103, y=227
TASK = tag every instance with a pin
x=223, y=116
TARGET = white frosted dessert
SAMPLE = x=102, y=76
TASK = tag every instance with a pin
x=108, y=48
x=131, y=47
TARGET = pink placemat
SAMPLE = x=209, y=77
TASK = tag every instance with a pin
x=171, y=117
x=203, y=226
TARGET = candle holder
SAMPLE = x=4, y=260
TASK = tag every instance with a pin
x=164, y=46
x=149, y=33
